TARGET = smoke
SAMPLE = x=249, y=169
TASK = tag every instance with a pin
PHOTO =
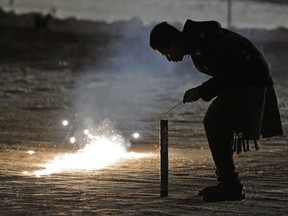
x=132, y=86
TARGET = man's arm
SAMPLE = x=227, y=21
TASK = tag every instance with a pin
x=207, y=91
x=211, y=88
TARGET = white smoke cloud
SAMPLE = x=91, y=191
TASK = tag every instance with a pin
x=134, y=85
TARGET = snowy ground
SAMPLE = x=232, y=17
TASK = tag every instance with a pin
x=33, y=104
x=132, y=187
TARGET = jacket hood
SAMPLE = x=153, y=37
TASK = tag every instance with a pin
x=195, y=32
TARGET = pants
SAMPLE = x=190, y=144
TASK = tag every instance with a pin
x=237, y=110
x=220, y=133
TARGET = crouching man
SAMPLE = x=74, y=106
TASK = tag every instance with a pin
x=245, y=105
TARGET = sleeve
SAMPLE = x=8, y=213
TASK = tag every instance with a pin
x=211, y=88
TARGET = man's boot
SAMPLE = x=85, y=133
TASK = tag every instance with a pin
x=229, y=189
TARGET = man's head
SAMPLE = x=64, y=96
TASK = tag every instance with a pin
x=168, y=41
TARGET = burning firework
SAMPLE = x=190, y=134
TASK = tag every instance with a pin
x=102, y=147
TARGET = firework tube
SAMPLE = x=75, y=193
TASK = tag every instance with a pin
x=163, y=158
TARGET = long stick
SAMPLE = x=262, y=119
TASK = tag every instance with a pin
x=173, y=108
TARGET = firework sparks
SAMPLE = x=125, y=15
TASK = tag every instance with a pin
x=65, y=122
x=72, y=140
x=104, y=147
x=136, y=135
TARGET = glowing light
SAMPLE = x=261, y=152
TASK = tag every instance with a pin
x=65, y=122
x=25, y=172
x=114, y=138
x=86, y=131
x=136, y=135
x=72, y=140
x=31, y=152
x=99, y=153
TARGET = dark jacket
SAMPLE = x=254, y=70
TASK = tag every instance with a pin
x=232, y=61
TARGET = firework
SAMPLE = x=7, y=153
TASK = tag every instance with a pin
x=101, y=147
x=163, y=157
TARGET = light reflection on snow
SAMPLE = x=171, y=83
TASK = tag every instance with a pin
x=31, y=152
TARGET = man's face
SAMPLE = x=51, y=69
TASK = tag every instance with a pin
x=173, y=53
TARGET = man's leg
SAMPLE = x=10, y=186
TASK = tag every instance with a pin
x=220, y=134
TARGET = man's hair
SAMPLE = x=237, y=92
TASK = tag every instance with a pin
x=162, y=34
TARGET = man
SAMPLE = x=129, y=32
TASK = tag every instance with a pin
x=245, y=107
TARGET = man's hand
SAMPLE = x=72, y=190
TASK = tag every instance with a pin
x=191, y=95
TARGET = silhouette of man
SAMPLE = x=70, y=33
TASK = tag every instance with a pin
x=245, y=105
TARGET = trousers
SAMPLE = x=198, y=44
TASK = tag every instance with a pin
x=220, y=125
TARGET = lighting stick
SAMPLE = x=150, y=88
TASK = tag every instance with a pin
x=173, y=108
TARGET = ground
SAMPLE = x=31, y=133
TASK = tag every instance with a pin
x=132, y=187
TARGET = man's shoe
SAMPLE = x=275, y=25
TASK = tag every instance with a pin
x=224, y=192
x=210, y=188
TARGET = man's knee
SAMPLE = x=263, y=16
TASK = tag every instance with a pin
x=206, y=121
x=216, y=122
x=211, y=120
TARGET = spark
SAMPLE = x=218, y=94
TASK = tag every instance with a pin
x=72, y=140
x=114, y=138
x=65, y=122
x=136, y=135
